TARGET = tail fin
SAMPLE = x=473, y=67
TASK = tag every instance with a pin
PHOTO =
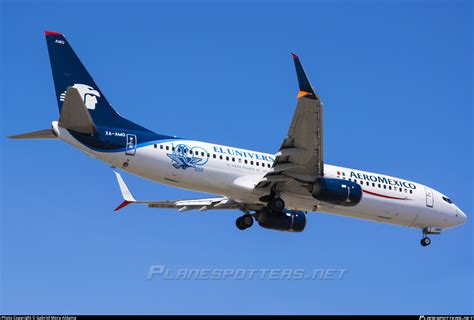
x=68, y=71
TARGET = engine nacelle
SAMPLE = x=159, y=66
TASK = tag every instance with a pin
x=288, y=220
x=337, y=191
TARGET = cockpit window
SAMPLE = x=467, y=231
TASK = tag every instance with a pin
x=447, y=200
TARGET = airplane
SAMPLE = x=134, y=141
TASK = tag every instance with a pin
x=276, y=190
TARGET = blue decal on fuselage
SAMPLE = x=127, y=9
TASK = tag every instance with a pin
x=184, y=157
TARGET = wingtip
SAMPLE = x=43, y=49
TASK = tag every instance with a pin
x=295, y=56
x=53, y=33
x=122, y=205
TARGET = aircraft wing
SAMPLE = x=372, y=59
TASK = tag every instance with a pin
x=182, y=205
x=300, y=158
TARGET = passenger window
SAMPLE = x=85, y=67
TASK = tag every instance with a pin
x=227, y=158
x=167, y=148
x=384, y=186
x=389, y=187
x=155, y=146
x=400, y=189
x=411, y=191
x=379, y=185
x=245, y=161
x=256, y=163
x=214, y=156
x=208, y=155
x=373, y=184
x=233, y=159
x=161, y=146
x=172, y=148
x=220, y=157
x=251, y=162
x=268, y=165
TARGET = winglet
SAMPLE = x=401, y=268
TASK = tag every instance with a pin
x=123, y=204
x=306, y=89
x=126, y=194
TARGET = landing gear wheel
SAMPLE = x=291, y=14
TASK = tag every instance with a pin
x=425, y=241
x=276, y=205
x=247, y=221
x=239, y=223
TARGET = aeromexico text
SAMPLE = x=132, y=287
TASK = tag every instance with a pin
x=384, y=180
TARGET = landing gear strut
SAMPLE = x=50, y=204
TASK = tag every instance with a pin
x=244, y=222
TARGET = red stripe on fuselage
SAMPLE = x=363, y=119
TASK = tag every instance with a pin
x=384, y=196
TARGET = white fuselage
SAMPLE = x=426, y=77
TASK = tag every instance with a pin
x=234, y=172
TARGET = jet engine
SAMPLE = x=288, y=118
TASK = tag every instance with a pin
x=287, y=220
x=337, y=191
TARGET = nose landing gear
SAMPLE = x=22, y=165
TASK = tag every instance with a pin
x=425, y=241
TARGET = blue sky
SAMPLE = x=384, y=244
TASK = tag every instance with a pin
x=396, y=81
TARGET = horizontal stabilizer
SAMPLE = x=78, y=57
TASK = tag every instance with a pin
x=42, y=134
x=74, y=114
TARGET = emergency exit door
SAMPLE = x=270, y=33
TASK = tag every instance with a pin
x=429, y=198
x=131, y=145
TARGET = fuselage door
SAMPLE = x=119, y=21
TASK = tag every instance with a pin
x=429, y=198
x=131, y=145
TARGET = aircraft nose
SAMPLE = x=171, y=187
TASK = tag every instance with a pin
x=461, y=216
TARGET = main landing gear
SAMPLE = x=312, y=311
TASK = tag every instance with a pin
x=244, y=222
x=276, y=205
